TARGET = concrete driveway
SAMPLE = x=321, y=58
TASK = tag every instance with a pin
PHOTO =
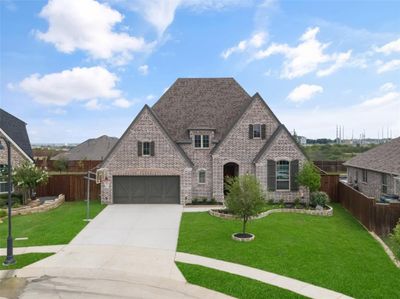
x=126, y=251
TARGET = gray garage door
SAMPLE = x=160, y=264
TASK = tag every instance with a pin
x=146, y=189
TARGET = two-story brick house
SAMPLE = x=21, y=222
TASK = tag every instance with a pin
x=13, y=130
x=199, y=132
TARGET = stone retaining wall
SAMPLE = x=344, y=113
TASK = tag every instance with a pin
x=328, y=212
x=46, y=206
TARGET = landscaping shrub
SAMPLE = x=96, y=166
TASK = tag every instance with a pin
x=245, y=197
x=17, y=199
x=319, y=198
x=3, y=213
x=395, y=236
x=309, y=177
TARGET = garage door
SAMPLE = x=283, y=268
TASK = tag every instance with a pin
x=146, y=189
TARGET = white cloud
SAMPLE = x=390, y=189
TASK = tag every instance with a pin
x=88, y=25
x=306, y=57
x=48, y=122
x=340, y=61
x=389, y=86
x=304, y=92
x=161, y=13
x=391, y=65
x=77, y=84
x=382, y=100
x=94, y=105
x=122, y=103
x=58, y=111
x=150, y=97
x=143, y=69
x=389, y=48
x=370, y=115
x=254, y=42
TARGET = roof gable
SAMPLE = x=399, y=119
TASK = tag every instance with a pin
x=201, y=102
x=383, y=158
x=15, y=129
x=162, y=128
x=270, y=141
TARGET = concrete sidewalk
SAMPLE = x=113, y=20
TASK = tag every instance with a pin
x=283, y=282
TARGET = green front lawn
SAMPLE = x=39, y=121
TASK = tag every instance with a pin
x=332, y=252
x=233, y=285
x=23, y=260
x=54, y=227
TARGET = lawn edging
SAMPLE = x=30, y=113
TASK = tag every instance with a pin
x=328, y=212
x=46, y=206
x=386, y=248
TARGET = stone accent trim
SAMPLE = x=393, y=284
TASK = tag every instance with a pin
x=243, y=239
x=328, y=212
x=46, y=206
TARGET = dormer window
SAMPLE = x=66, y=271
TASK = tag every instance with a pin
x=201, y=141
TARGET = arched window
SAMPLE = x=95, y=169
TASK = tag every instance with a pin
x=202, y=176
x=282, y=175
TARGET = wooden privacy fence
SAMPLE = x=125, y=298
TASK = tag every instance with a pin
x=329, y=184
x=73, y=186
x=70, y=166
x=330, y=166
x=377, y=217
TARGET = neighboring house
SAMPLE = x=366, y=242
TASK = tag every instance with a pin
x=95, y=149
x=13, y=130
x=198, y=133
x=377, y=171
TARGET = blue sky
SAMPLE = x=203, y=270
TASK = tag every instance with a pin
x=80, y=69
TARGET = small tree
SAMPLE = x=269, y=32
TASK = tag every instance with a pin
x=245, y=197
x=27, y=177
x=60, y=164
x=309, y=177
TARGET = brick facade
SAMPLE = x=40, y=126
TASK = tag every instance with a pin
x=17, y=158
x=236, y=147
x=124, y=160
x=373, y=186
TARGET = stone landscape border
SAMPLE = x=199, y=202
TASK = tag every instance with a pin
x=327, y=212
x=46, y=206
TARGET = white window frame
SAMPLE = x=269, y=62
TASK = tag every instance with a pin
x=143, y=143
x=198, y=176
x=201, y=141
x=276, y=175
x=254, y=127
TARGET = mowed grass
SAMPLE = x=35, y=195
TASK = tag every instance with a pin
x=233, y=285
x=23, y=260
x=54, y=227
x=332, y=252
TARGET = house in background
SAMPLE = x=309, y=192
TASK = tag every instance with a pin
x=94, y=149
x=14, y=130
x=376, y=172
x=198, y=133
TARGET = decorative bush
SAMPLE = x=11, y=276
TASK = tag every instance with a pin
x=245, y=197
x=319, y=198
x=309, y=177
x=396, y=233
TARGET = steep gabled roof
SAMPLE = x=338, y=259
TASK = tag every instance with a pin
x=201, y=102
x=383, y=158
x=16, y=130
x=271, y=139
x=91, y=149
x=147, y=108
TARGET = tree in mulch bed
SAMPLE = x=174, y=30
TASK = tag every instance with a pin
x=245, y=199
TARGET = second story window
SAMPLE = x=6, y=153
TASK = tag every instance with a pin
x=257, y=131
x=146, y=148
x=201, y=141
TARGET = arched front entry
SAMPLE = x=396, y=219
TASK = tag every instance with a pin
x=231, y=169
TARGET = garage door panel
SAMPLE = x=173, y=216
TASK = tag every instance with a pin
x=146, y=189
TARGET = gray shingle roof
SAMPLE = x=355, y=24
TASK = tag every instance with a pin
x=16, y=130
x=91, y=149
x=383, y=158
x=201, y=102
